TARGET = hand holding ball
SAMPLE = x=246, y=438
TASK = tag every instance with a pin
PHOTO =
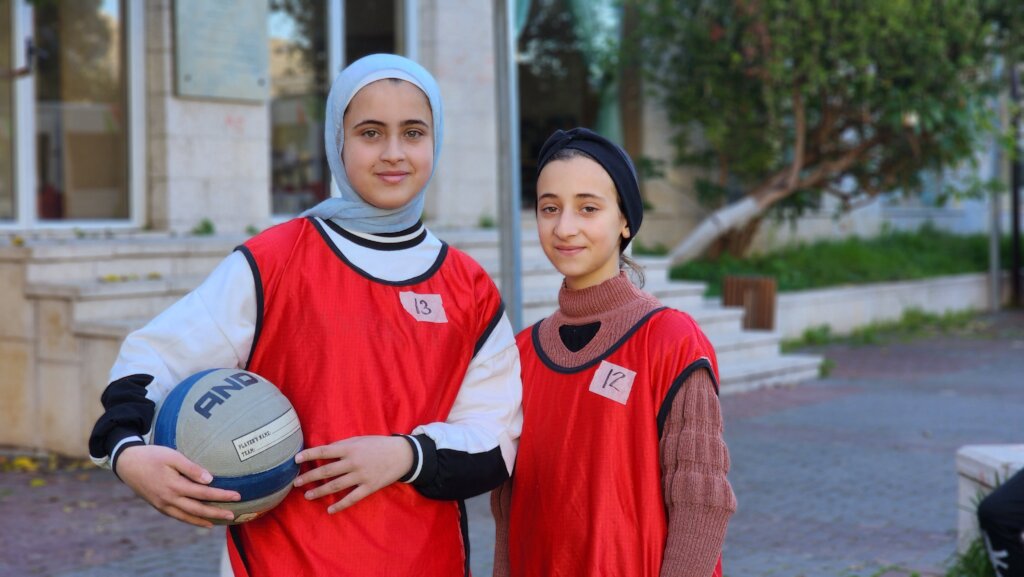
x=239, y=427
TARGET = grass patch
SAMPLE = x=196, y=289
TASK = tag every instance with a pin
x=825, y=368
x=204, y=228
x=914, y=324
x=973, y=563
x=641, y=249
x=891, y=256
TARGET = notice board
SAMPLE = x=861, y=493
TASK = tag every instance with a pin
x=221, y=49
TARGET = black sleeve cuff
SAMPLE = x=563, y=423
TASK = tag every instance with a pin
x=428, y=469
x=454, y=475
x=115, y=456
x=128, y=412
x=415, y=458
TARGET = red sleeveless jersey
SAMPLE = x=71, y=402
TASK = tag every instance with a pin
x=587, y=493
x=360, y=356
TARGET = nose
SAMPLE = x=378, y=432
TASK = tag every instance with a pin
x=393, y=150
x=566, y=226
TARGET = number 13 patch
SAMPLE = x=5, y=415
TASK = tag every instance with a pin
x=613, y=382
x=424, y=308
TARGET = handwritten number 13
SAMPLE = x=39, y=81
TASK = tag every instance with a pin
x=422, y=308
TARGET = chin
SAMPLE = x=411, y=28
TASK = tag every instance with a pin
x=389, y=204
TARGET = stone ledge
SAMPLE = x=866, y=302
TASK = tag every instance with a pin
x=981, y=468
x=846, y=308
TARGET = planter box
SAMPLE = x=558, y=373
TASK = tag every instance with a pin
x=846, y=308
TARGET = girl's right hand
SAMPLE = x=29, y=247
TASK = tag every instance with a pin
x=172, y=484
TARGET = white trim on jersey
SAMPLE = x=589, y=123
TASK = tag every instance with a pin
x=392, y=265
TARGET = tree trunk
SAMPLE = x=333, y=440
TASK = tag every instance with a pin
x=736, y=242
x=723, y=220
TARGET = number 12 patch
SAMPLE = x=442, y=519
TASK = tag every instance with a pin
x=613, y=382
x=424, y=308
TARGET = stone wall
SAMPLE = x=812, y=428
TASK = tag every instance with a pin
x=457, y=46
x=208, y=159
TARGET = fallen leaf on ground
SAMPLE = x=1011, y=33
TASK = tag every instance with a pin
x=26, y=464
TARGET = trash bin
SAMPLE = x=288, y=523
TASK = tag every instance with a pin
x=756, y=294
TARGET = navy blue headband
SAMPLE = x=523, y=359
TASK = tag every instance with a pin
x=615, y=162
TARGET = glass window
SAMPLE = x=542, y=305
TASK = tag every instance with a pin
x=299, y=84
x=80, y=110
x=6, y=115
x=564, y=78
x=370, y=28
x=300, y=177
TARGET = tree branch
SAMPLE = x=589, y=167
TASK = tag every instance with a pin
x=799, y=114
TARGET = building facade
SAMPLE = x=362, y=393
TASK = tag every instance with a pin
x=160, y=114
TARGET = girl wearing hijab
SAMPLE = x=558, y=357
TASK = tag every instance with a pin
x=393, y=348
x=621, y=467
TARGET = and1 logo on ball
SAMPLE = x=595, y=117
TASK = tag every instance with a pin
x=220, y=393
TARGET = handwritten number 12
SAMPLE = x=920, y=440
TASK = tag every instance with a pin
x=610, y=382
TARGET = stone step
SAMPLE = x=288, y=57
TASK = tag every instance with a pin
x=483, y=244
x=97, y=300
x=739, y=376
x=716, y=319
x=59, y=261
x=742, y=346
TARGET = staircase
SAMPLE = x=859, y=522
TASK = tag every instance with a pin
x=66, y=305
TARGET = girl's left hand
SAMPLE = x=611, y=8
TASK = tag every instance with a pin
x=366, y=464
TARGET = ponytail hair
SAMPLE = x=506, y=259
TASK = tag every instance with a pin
x=633, y=269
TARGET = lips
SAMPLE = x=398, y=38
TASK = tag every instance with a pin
x=569, y=250
x=392, y=177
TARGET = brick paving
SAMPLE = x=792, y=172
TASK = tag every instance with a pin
x=852, y=475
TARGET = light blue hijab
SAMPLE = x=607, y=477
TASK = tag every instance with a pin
x=349, y=210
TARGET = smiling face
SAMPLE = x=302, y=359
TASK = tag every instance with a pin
x=389, y=143
x=579, y=221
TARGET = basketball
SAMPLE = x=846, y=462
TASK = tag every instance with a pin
x=240, y=428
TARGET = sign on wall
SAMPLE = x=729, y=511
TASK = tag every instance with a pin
x=221, y=49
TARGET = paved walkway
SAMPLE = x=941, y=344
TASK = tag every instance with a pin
x=836, y=478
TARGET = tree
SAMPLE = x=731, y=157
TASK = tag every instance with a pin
x=781, y=101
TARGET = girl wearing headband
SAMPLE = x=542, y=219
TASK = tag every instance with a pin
x=622, y=466
x=392, y=346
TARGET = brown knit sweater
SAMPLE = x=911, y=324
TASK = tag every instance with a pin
x=694, y=458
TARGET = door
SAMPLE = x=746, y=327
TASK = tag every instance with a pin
x=80, y=111
x=7, y=75
x=71, y=77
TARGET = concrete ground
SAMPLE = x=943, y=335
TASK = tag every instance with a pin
x=851, y=475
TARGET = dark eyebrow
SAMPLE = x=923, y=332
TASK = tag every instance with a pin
x=411, y=122
x=583, y=195
x=368, y=121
